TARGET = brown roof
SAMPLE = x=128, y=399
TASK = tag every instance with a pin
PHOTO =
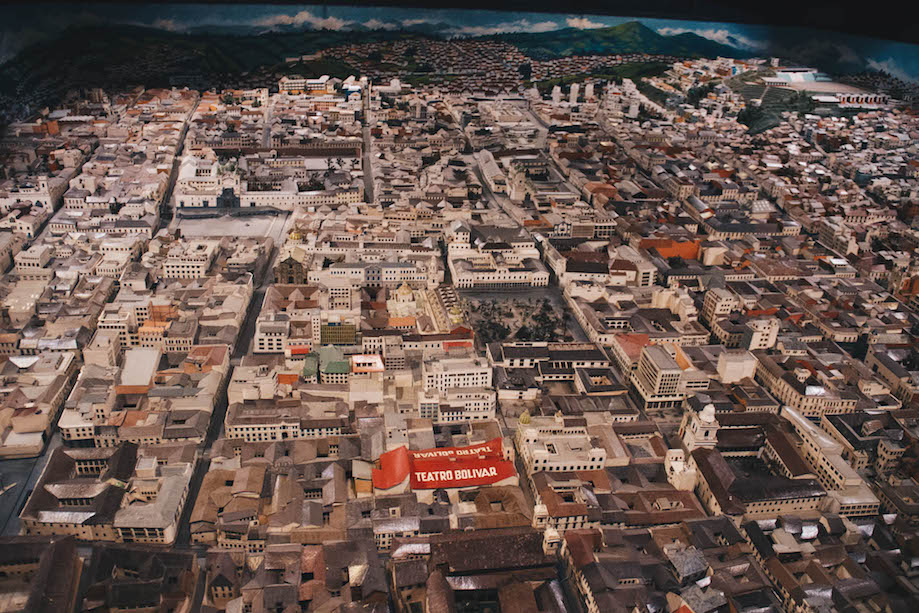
x=719, y=477
x=517, y=597
x=787, y=452
x=487, y=550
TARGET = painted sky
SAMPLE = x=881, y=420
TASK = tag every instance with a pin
x=21, y=25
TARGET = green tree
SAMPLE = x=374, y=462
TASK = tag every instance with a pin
x=696, y=94
x=750, y=115
x=805, y=103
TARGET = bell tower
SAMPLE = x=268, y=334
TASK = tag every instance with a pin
x=699, y=429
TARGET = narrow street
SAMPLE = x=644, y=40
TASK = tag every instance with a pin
x=243, y=341
x=494, y=200
x=167, y=206
x=542, y=127
x=365, y=133
x=17, y=480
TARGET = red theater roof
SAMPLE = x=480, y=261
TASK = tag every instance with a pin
x=481, y=464
x=394, y=468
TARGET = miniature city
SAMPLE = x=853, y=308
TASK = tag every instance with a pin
x=464, y=345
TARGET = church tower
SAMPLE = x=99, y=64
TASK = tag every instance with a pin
x=699, y=429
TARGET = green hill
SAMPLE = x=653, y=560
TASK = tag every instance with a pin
x=114, y=56
x=118, y=55
x=632, y=37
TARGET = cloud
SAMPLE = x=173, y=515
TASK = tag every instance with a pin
x=722, y=36
x=413, y=22
x=376, y=24
x=521, y=25
x=583, y=23
x=168, y=24
x=303, y=18
x=848, y=55
x=890, y=67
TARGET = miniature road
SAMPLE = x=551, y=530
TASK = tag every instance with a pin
x=365, y=133
x=246, y=333
x=277, y=229
x=552, y=292
x=491, y=197
x=541, y=126
x=17, y=479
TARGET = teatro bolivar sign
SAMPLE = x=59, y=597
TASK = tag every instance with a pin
x=475, y=465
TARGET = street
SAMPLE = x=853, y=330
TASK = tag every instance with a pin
x=243, y=341
x=498, y=201
x=17, y=479
x=543, y=128
x=365, y=133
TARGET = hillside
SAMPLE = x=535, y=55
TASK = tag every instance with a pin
x=632, y=37
x=118, y=56
x=115, y=56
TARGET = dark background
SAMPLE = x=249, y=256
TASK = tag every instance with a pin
x=883, y=19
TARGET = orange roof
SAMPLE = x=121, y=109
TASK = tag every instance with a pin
x=598, y=187
x=152, y=325
x=632, y=344
x=681, y=359
x=132, y=389
x=667, y=247
x=129, y=418
x=394, y=468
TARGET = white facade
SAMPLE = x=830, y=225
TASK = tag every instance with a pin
x=448, y=373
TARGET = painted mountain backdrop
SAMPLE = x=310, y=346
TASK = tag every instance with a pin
x=116, y=55
x=23, y=24
x=631, y=37
x=47, y=49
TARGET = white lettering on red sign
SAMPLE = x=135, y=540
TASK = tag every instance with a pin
x=460, y=474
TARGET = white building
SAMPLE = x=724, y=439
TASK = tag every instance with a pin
x=447, y=373
x=190, y=260
x=558, y=444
